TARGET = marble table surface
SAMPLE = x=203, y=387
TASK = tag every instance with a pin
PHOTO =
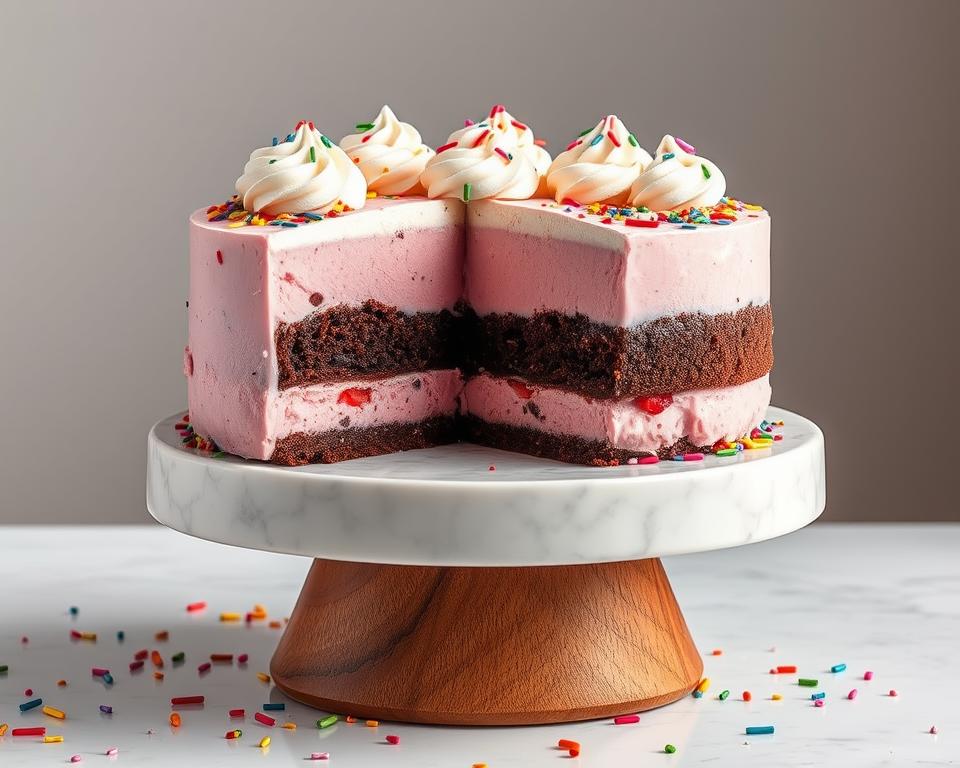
x=880, y=598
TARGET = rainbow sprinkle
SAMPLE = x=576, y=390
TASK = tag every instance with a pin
x=194, y=702
x=236, y=216
x=192, y=440
x=727, y=211
x=761, y=437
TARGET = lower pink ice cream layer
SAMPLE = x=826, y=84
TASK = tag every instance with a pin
x=703, y=416
x=409, y=398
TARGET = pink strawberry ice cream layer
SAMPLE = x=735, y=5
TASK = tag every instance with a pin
x=529, y=255
x=405, y=253
x=703, y=416
x=317, y=408
x=411, y=397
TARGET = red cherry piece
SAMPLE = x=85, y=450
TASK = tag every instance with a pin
x=523, y=391
x=653, y=404
x=354, y=396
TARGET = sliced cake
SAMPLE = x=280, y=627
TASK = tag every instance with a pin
x=376, y=296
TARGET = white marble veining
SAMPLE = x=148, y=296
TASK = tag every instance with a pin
x=884, y=598
x=443, y=506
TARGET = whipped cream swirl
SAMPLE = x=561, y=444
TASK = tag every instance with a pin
x=390, y=155
x=496, y=157
x=306, y=172
x=599, y=166
x=677, y=180
x=517, y=137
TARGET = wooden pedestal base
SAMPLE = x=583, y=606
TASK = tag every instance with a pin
x=486, y=646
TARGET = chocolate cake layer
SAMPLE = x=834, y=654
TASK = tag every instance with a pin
x=568, y=448
x=671, y=354
x=368, y=341
x=342, y=444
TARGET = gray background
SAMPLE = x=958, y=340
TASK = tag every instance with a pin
x=119, y=119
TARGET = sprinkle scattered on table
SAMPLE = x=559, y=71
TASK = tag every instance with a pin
x=224, y=657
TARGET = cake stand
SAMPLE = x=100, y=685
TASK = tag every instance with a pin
x=465, y=585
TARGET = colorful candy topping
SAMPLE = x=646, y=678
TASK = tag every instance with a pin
x=727, y=211
x=327, y=721
x=185, y=700
x=571, y=747
x=192, y=440
x=390, y=154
